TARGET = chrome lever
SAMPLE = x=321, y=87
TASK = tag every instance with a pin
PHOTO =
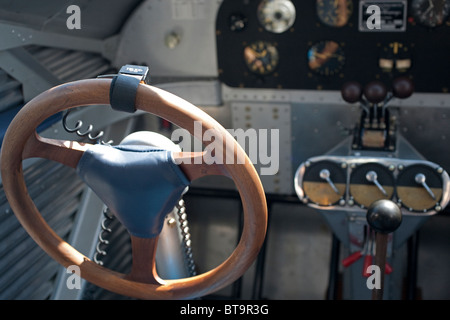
x=325, y=175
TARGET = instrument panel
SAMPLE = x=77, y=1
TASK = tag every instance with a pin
x=353, y=183
x=322, y=44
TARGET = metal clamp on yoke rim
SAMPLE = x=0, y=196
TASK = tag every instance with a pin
x=122, y=94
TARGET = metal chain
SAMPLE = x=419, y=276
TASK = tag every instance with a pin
x=87, y=133
x=184, y=230
x=186, y=238
x=106, y=222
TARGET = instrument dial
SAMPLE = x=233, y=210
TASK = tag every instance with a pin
x=395, y=58
x=334, y=13
x=261, y=57
x=326, y=58
x=419, y=187
x=324, y=182
x=276, y=16
x=370, y=182
x=430, y=13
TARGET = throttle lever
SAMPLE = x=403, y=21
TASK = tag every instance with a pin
x=355, y=256
x=384, y=216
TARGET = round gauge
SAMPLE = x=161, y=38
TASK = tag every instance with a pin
x=334, y=13
x=370, y=182
x=395, y=57
x=276, y=15
x=419, y=187
x=261, y=57
x=430, y=13
x=324, y=182
x=326, y=58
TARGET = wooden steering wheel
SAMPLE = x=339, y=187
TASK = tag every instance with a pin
x=21, y=142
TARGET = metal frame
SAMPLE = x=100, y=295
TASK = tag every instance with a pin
x=351, y=161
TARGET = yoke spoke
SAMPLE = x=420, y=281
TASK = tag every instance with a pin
x=193, y=166
x=68, y=152
x=143, y=268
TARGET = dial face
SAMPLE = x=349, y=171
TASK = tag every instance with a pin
x=326, y=58
x=395, y=57
x=324, y=183
x=334, y=13
x=419, y=188
x=261, y=57
x=430, y=13
x=370, y=182
x=276, y=15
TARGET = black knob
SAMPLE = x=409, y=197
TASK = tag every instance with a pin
x=384, y=216
x=402, y=87
x=351, y=91
x=375, y=91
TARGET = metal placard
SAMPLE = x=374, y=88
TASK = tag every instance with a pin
x=390, y=15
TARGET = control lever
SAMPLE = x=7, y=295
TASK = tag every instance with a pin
x=376, y=92
x=402, y=87
x=352, y=92
x=325, y=175
x=368, y=259
x=376, y=129
x=420, y=179
x=384, y=216
x=371, y=176
x=367, y=252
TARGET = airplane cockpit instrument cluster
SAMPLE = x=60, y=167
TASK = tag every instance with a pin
x=376, y=163
x=322, y=44
x=328, y=46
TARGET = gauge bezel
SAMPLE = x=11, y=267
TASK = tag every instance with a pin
x=351, y=161
x=418, y=15
x=322, y=14
x=354, y=195
x=405, y=170
x=274, y=57
x=341, y=169
x=324, y=69
x=275, y=23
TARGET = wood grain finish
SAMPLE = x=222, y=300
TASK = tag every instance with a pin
x=21, y=142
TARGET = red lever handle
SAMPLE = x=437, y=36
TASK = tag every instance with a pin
x=387, y=268
x=351, y=258
x=367, y=262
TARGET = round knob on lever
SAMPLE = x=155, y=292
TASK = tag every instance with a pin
x=402, y=87
x=351, y=91
x=384, y=216
x=375, y=91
